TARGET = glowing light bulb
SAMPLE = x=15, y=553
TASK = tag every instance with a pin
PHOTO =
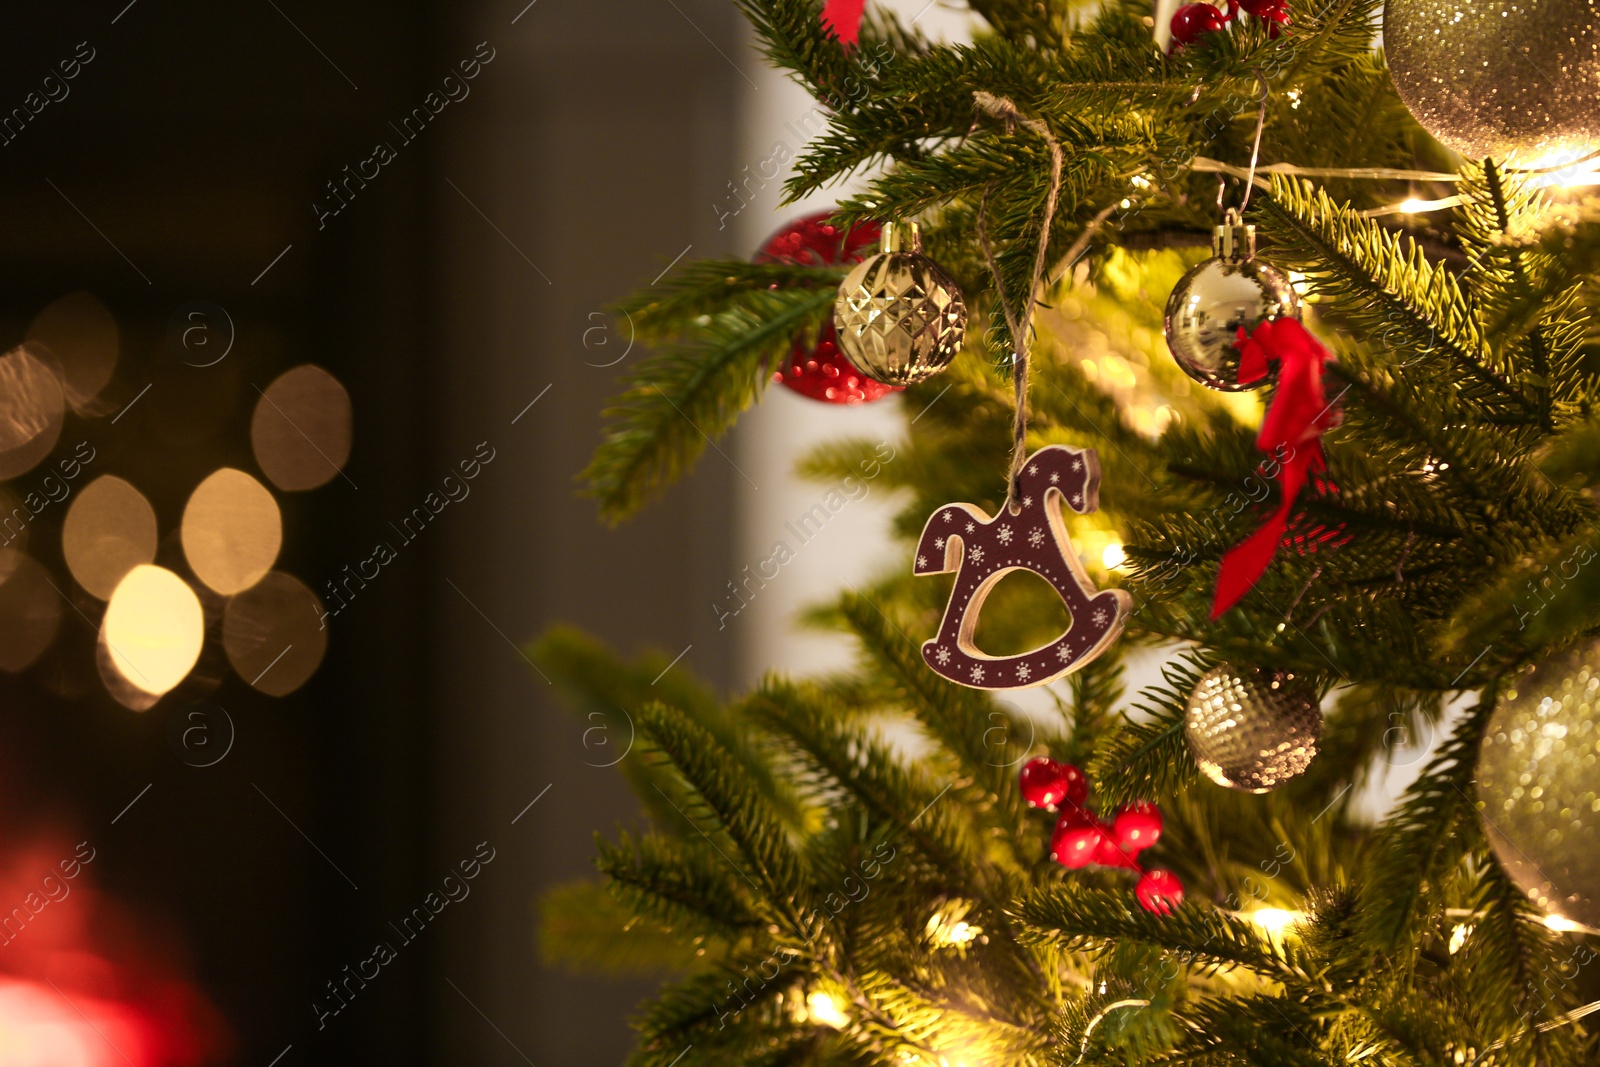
x=1458, y=937
x=1561, y=924
x=1274, y=920
x=1113, y=556
x=825, y=1010
x=1413, y=205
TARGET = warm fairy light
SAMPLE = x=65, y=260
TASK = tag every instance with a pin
x=1458, y=937
x=301, y=428
x=32, y=407
x=274, y=634
x=948, y=931
x=1413, y=205
x=109, y=530
x=824, y=1009
x=1274, y=920
x=231, y=531
x=1113, y=556
x=153, y=628
x=82, y=336
x=1562, y=925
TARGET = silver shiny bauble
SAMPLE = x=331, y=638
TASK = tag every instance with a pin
x=1252, y=729
x=1500, y=77
x=1539, y=783
x=1218, y=297
x=899, y=318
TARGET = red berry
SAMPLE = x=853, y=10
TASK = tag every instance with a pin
x=1137, y=826
x=1076, y=840
x=1046, y=783
x=1159, y=891
x=1192, y=20
x=1112, y=853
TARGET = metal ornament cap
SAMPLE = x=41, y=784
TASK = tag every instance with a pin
x=1538, y=793
x=1252, y=729
x=899, y=318
x=1500, y=78
x=1219, y=296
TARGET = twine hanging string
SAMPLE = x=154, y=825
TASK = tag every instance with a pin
x=1020, y=321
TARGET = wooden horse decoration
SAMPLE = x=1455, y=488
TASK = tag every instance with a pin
x=982, y=550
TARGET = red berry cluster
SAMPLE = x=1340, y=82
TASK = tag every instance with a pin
x=1190, y=21
x=1080, y=838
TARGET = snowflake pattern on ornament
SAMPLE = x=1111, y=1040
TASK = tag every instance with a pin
x=1055, y=477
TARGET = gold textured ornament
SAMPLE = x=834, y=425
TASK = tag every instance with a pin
x=899, y=318
x=1539, y=783
x=1500, y=77
x=1252, y=729
x=1232, y=290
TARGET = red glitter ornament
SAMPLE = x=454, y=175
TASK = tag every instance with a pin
x=1077, y=838
x=1159, y=891
x=815, y=367
x=1137, y=826
x=1046, y=783
x=1190, y=21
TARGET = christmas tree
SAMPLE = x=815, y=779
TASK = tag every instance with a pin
x=865, y=867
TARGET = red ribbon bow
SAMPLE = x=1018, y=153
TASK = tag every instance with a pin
x=1291, y=432
x=843, y=17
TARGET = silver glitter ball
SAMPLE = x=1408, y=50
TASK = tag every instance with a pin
x=1497, y=79
x=899, y=318
x=1218, y=297
x=1252, y=729
x=1539, y=783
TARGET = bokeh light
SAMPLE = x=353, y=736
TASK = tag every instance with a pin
x=109, y=530
x=80, y=332
x=231, y=531
x=301, y=428
x=153, y=628
x=32, y=407
x=30, y=610
x=274, y=634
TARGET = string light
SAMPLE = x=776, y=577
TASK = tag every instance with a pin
x=822, y=1008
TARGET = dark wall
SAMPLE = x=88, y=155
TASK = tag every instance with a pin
x=447, y=295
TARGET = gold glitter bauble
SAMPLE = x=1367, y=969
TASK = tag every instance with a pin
x=1500, y=78
x=1219, y=296
x=1252, y=729
x=1539, y=783
x=899, y=317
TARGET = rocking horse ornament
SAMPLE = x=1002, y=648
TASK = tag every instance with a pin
x=1029, y=532
x=1027, y=535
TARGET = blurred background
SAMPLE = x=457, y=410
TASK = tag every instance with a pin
x=303, y=313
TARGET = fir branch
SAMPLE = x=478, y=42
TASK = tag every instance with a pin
x=1068, y=916
x=685, y=397
x=727, y=795
x=1148, y=758
x=958, y=718
x=1424, y=838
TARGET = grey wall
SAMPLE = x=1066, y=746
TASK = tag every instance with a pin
x=603, y=134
